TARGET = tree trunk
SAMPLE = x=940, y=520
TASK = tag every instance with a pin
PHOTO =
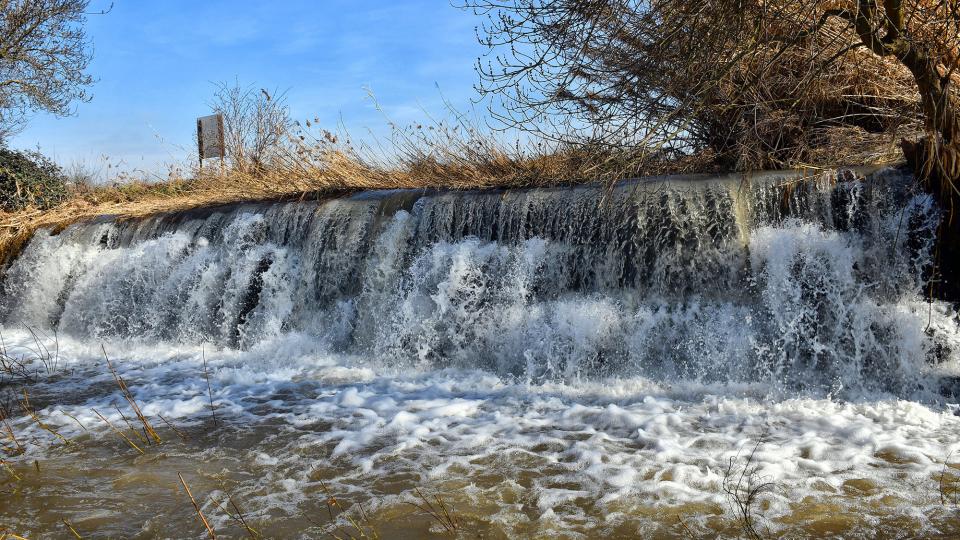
x=935, y=159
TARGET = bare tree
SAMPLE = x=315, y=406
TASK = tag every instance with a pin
x=256, y=124
x=44, y=54
x=758, y=83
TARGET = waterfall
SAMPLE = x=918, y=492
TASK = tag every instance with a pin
x=805, y=283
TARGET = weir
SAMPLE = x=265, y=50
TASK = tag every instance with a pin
x=807, y=283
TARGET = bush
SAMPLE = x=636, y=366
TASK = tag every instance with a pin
x=29, y=179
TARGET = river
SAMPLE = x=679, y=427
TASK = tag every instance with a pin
x=643, y=361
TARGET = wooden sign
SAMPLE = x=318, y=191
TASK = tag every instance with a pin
x=210, y=136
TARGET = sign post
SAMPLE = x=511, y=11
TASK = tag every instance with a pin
x=210, y=141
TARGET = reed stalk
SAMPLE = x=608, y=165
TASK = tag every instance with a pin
x=196, y=506
x=147, y=427
x=120, y=433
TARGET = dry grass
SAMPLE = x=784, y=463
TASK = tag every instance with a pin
x=438, y=511
x=196, y=507
x=453, y=153
x=820, y=101
x=316, y=163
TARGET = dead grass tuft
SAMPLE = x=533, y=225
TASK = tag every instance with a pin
x=438, y=511
x=316, y=163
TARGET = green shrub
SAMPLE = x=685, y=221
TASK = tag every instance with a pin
x=29, y=179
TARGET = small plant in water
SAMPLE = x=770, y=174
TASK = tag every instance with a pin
x=358, y=529
x=17, y=366
x=438, y=510
x=71, y=528
x=125, y=390
x=196, y=507
x=8, y=433
x=948, y=484
x=28, y=410
x=7, y=534
x=206, y=375
x=12, y=366
x=744, y=487
x=237, y=516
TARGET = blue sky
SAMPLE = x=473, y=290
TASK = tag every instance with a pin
x=155, y=61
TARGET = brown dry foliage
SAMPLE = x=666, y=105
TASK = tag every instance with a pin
x=313, y=162
x=761, y=84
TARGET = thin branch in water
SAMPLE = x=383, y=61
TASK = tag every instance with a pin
x=745, y=492
x=72, y=529
x=239, y=517
x=206, y=375
x=172, y=427
x=196, y=506
x=120, y=433
x=129, y=397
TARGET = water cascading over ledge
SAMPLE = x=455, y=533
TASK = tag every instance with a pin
x=810, y=284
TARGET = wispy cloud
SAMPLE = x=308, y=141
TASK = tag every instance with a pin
x=155, y=62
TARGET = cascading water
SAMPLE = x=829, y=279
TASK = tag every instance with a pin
x=801, y=285
x=610, y=333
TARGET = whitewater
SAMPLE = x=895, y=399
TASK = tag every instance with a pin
x=576, y=362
